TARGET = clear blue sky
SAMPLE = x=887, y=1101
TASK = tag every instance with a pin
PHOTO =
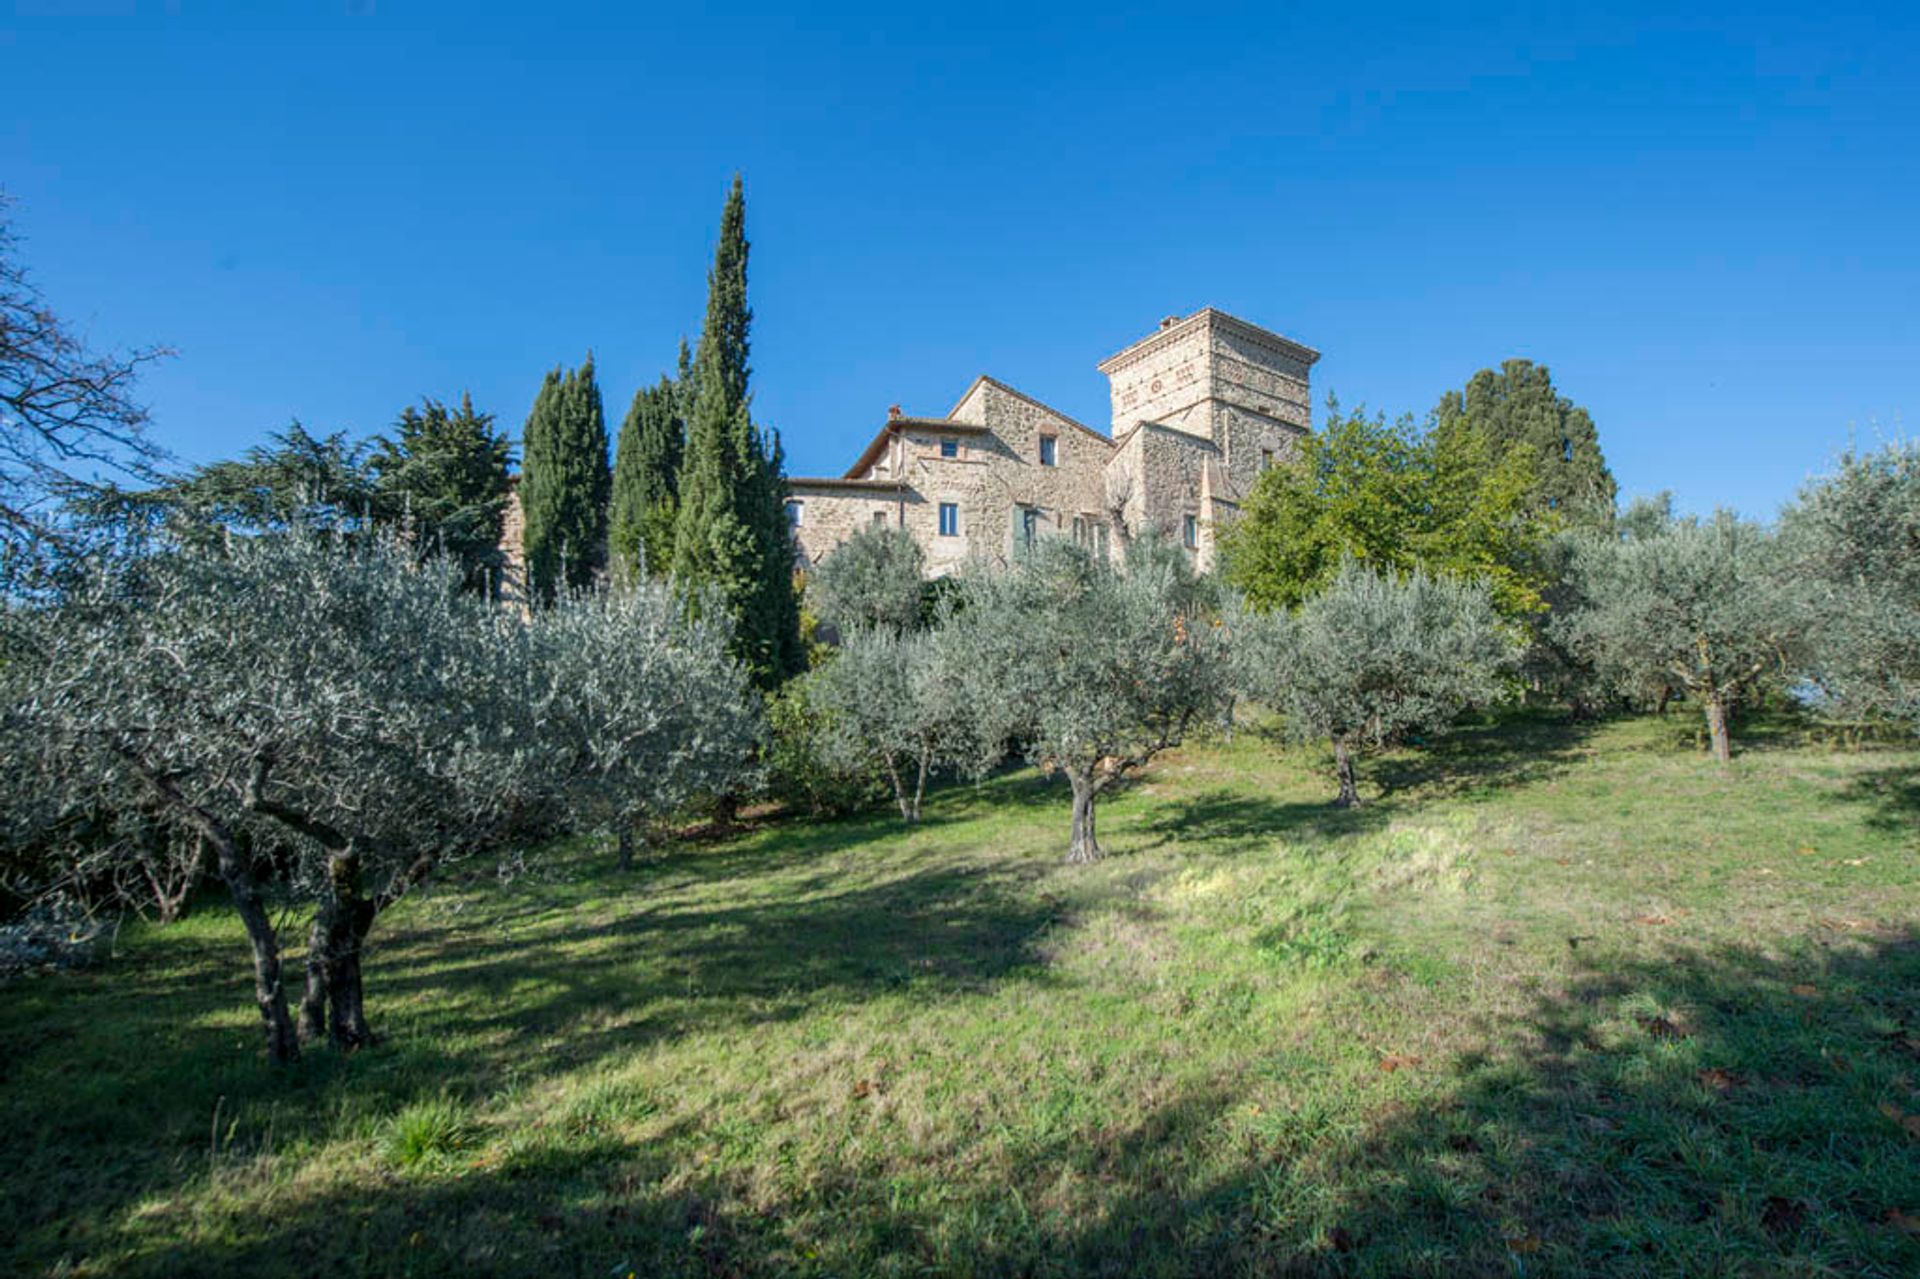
x=1705, y=225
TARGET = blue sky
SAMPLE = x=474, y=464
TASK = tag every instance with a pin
x=1702, y=222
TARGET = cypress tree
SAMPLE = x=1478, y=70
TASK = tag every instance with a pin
x=1518, y=408
x=646, y=482
x=564, y=484
x=731, y=535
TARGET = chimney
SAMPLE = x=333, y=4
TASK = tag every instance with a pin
x=893, y=413
x=1170, y=321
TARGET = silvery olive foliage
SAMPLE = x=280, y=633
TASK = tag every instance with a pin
x=333, y=720
x=1373, y=657
x=873, y=579
x=1851, y=565
x=648, y=713
x=1696, y=605
x=894, y=701
x=1091, y=668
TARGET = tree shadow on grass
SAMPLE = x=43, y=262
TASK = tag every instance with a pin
x=1485, y=756
x=668, y=968
x=1727, y=1111
x=134, y=1082
x=1892, y=796
x=1233, y=820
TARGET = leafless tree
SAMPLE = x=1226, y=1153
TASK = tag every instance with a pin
x=68, y=419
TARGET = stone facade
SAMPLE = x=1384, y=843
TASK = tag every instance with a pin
x=1200, y=407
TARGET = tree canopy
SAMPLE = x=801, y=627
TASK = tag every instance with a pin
x=1091, y=668
x=1697, y=605
x=442, y=476
x=1518, y=411
x=1388, y=496
x=1851, y=561
x=564, y=484
x=1374, y=656
x=732, y=543
x=347, y=709
x=873, y=579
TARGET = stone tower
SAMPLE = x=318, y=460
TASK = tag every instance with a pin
x=1242, y=388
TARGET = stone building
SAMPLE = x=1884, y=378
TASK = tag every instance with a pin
x=1200, y=407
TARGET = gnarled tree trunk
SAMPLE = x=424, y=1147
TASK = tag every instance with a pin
x=1717, y=727
x=334, y=992
x=1083, y=845
x=269, y=994
x=1343, y=766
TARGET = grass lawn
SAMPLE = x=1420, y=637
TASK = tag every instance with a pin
x=1564, y=1001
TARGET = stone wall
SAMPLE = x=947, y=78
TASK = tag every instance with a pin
x=1200, y=407
x=996, y=475
x=1166, y=377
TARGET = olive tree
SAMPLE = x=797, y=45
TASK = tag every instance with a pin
x=1696, y=605
x=1091, y=668
x=873, y=579
x=892, y=701
x=325, y=702
x=333, y=705
x=1851, y=563
x=1373, y=657
x=648, y=712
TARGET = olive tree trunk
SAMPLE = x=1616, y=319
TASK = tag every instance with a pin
x=1717, y=727
x=1343, y=767
x=335, y=1002
x=269, y=994
x=1083, y=845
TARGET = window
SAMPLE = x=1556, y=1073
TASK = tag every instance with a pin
x=949, y=447
x=1266, y=459
x=879, y=519
x=1047, y=447
x=793, y=514
x=1100, y=540
x=1029, y=526
x=949, y=519
x=1079, y=530
x=1190, y=532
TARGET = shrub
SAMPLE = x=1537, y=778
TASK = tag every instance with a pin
x=427, y=1134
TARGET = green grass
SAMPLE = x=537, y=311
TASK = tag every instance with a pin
x=1565, y=1001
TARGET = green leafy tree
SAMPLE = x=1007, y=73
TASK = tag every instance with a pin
x=295, y=479
x=1698, y=606
x=444, y=472
x=1091, y=668
x=732, y=542
x=348, y=710
x=564, y=484
x=890, y=700
x=1374, y=656
x=646, y=481
x=328, y=700
x=873, y=579
x=1387, y=496
x=654, y=711
x=1518, y=410
x=1851, y=557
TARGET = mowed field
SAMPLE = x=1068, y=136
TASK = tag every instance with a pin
x=1565, y=1000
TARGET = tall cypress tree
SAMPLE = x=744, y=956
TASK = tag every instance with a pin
x=564, y=483
x=646, y=482
x=731, y=536
x=1518, y=408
